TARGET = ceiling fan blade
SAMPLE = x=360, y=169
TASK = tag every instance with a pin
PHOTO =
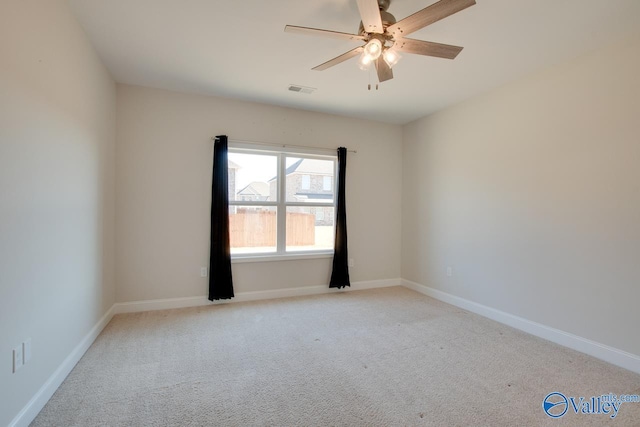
x=421, y=47
x=338, y=59
x=428, y=16
x=384, y=71
x=323, y=33
x=370, y=14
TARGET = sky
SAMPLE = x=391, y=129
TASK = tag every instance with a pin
x=255, y=167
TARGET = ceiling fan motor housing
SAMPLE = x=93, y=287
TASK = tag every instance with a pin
x=384, y=4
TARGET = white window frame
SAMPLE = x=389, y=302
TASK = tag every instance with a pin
x=281, y=204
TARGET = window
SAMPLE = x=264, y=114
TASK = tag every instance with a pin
x=326, y=183
x=279, y=203
x=306, y=182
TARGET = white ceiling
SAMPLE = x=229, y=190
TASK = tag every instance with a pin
x=239, y=49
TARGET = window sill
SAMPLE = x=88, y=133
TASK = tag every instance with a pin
x=239, y=259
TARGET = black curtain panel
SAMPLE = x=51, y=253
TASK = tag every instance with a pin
x=220, y=281
x=340, y=273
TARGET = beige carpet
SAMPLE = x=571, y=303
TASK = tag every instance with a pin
x=387, y=357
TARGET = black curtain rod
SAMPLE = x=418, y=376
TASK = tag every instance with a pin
x=283, y=145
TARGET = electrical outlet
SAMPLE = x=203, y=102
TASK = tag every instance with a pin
x=449, y=271
x=26, y=350
x=352, y=262
x=203, y=271
x=18, y=360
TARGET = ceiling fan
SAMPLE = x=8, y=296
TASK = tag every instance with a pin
x=384, y=38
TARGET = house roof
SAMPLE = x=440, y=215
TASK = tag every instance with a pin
x=315, y=196
x=256, y=188
x=311, y=166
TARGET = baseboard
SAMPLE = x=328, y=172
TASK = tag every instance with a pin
x=170, y=303
x=37, y=402
x=601, y=351
x=609, y=354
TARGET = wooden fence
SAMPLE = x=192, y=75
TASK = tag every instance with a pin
x=254, y=229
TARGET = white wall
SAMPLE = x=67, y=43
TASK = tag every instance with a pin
x=164, y=162
x=532, y=194
x=57, y=140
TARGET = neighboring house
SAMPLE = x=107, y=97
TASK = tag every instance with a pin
x=233, y=167
x=256, y=191
x=309, y=180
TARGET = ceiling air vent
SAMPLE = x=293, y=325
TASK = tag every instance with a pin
x=301, y=89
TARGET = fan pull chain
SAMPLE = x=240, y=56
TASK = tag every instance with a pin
x=369, y=85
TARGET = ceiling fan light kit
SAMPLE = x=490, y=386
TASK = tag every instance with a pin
x=384, y=38
x=391, y=56
x=365, y=62
x=373, y=49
